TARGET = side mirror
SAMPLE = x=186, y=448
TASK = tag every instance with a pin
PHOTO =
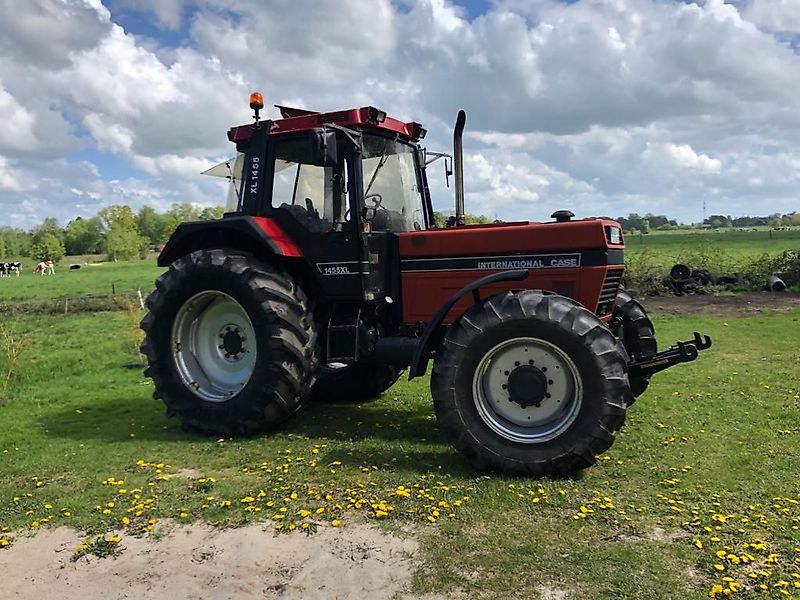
x=323, y=149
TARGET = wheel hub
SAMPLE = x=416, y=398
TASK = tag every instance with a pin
x=214, y=347
x=527, y=390
x=527, y=386
x=232, y=342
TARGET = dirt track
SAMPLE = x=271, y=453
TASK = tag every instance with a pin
x=739, y=305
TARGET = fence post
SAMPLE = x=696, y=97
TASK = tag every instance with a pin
x=66, y=304
x=141, y=301
x=113, y=289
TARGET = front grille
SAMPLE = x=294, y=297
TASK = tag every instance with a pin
x=608, y=293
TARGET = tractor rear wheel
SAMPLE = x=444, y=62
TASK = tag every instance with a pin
x=530, y=383
x=635, y=330
x=354, y=383
x=229, y=342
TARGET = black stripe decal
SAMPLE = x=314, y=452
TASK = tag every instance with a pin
x=568, y=260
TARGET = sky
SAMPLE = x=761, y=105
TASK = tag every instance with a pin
x=603, y=107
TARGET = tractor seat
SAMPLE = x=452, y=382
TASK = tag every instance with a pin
x=309, y=220
x=389, y=220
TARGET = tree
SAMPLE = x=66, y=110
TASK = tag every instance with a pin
x=211, y=212
x=117, y=214
x=179, y=213
x=17, y=242
x=124, y=242
x=49, y=226
x=152, y=225
x=49, y=247
x=82, y=236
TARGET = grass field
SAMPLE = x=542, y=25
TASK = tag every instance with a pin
x=701, y=489
x=668, y=247
x=100, y=278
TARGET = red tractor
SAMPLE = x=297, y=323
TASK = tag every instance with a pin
x=327, y=277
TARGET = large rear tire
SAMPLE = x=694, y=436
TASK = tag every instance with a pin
x=635, y=330
x=530, y=383
x=229, y=342
x=354, y=383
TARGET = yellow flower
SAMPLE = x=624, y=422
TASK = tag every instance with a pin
x=183, y=515
x=303, y=512
x=699, y=544
x=719, y=567
x=380, y=514
x=431, y=518
x=336, y=522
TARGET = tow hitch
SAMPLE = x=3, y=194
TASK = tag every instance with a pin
x=679, y=353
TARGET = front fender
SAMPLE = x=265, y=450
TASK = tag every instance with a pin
x=419, y=363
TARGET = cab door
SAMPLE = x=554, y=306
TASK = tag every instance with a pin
x=312, y=204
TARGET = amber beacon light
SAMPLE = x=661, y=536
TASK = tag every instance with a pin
x=256, y=101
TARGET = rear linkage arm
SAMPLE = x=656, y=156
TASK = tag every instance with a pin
x=679, y=353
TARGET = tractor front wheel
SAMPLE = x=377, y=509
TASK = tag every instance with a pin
x=353, y=383
x=635, y=330
x=229, y=342
x=530, y=383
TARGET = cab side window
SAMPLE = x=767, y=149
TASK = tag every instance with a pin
x=315, y=196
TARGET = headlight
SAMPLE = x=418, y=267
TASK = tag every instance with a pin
x=614, y=235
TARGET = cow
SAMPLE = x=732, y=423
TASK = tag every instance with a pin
x=45, y=268
x=7, y=268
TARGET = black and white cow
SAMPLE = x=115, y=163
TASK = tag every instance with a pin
x=9, y=268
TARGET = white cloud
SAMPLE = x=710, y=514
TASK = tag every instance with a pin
x=12, y=180
x=775, y=15
x=682, y=155
x=600, y=106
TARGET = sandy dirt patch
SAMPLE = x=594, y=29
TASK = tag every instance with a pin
x=201, y=562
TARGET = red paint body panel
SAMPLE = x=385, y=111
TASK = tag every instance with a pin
x=286, y=244
x=506, y=238
x=425, y=291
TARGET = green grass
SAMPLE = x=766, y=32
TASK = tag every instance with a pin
x=714, y=439
x=91, y=279
x=668, y=247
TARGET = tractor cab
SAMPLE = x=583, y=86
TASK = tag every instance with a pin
x=342, y=185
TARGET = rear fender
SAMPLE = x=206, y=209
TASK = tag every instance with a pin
x=431, y=335
x=256, y=235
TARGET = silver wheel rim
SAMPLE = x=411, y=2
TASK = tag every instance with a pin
x=527, y=424
x=213, y=345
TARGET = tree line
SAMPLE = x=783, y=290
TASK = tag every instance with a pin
x=123, y=234
x=644, y=224
x=116, y=231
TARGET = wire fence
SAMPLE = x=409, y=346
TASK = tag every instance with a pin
x=66, y=304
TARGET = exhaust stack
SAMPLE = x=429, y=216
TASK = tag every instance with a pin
x=458, y=159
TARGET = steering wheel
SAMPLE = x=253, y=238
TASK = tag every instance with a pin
x=377, y=199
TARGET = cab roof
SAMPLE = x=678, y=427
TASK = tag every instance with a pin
x=295, y=119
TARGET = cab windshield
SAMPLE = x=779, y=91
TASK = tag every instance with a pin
x=392, y=195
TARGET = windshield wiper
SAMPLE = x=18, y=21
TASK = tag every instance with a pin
x=381, y=162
